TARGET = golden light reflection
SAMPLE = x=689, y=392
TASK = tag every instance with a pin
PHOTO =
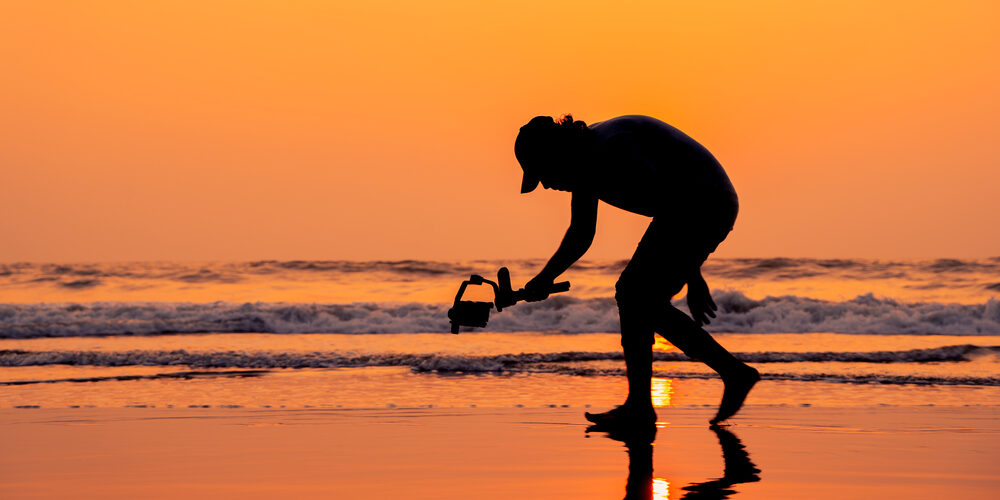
x=661, y=391
x=660, y=344
x=661, y=489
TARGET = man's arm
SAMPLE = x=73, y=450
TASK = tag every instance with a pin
x=579, y=236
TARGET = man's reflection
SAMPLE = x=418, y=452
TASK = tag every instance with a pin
x=641, y=485
x=640, y=468
x=737, y=469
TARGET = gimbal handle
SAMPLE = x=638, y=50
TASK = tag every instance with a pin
x=506, y=297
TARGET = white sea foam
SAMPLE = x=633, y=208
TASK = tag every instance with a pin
x=864, y=314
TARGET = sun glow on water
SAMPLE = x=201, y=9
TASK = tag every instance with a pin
x=661, y=344
x=661, y=489
x=661, y=391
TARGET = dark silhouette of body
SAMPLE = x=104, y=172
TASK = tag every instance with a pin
x=737, y=467
x=647, y=167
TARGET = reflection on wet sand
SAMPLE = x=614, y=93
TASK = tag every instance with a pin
x=661, y=391
x=641, y=485
x=737, y=469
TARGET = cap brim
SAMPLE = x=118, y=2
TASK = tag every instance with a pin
x=528, y=183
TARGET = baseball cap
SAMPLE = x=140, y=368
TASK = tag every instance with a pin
x=530, y=140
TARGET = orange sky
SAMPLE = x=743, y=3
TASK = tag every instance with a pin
x=384, y=130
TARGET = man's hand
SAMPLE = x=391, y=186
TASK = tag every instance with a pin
x=700, y=301
x=537, y=289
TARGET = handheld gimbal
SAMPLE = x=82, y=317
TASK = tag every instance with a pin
x=477, y=313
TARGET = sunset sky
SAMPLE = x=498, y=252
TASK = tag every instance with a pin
x=384, y=129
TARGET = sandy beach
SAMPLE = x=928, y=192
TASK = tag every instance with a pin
x=800, y=452
x=112, y=399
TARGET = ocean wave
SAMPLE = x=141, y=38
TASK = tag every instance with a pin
x=444, y=362
x=861, y=378
x=565, y=363
x=789, y=268
x=218, y=272
x=865, y=314
x=151, y=318
x=230, y=272
x=157, y=376
x=582, y=372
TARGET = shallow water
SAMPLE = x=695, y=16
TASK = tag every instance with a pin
x=482, y=369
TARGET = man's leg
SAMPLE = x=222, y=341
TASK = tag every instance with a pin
x=638, y=296
x=637, y=344
x=696, y=343
x=681, y=249
x=681, y=331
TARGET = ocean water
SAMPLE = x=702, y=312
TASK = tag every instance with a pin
x=374, y=334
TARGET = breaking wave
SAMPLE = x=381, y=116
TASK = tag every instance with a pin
x=865, y=314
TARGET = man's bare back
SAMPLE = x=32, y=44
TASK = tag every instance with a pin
x=647, y=167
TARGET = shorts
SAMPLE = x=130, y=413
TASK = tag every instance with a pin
x=670, y=250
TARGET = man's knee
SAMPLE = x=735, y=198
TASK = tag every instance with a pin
x=638, y=340
x=624, y=294
x=635, y=314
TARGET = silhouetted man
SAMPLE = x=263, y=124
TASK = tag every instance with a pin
x=644, y=166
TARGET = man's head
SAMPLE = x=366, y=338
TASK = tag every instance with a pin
x=532, y=149
x=545, y=148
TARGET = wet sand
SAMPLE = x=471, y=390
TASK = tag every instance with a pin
x=800, y=452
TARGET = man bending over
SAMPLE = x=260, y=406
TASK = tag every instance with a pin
x=644, y=166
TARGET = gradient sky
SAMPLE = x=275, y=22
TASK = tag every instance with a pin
x=384, y=130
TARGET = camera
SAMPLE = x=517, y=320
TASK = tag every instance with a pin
x=477, y=313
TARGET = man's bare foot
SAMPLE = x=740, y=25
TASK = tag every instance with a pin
x=624, y=415
x=626, y=423
x=738, y=385
x=630, y=435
